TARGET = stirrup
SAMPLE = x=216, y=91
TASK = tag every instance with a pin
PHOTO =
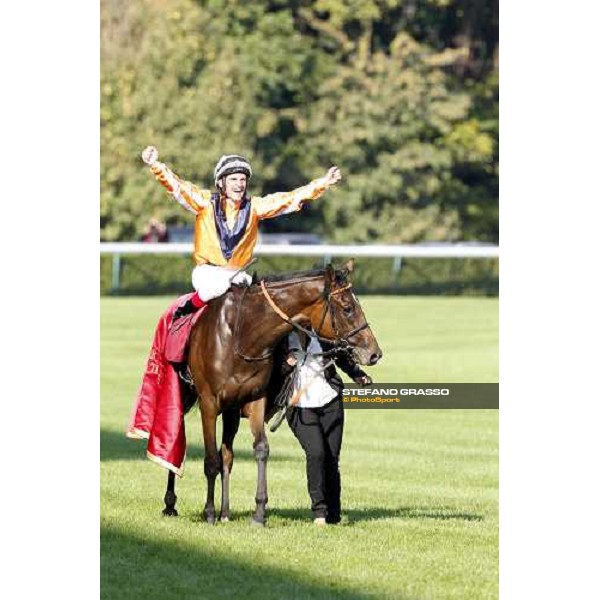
x=278, y=418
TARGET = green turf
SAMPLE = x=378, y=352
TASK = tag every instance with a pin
x=420, y=487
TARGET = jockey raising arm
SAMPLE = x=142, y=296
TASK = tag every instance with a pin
x=227, y=219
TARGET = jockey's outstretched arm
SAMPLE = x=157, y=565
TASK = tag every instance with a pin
x=190, y=196
x=283, y=203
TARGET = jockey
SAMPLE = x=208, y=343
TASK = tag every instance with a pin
x=227, y=220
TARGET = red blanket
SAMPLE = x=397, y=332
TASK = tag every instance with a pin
x=158, y=410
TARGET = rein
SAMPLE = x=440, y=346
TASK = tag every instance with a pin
x=340, y=343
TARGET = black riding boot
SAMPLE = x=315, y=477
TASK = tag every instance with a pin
x=188, y=308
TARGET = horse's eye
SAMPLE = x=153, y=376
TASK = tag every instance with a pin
x=348, y=310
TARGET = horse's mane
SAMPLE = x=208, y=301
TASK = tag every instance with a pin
x=291, y=275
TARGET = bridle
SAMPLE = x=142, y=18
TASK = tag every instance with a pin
x=341, y=342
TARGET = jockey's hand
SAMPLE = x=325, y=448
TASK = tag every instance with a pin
x=150, y=155
x=291, y=360
x=241, y=278
x=333, y=176
x=363, y=380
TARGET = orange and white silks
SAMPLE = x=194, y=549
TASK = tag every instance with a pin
x=207, y=244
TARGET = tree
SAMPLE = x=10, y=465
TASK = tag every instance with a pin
x=379, y=87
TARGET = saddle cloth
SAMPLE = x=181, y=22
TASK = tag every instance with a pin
x=157, y=414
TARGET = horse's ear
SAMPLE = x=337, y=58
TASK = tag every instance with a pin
x=330, y=271
x=349, y=266
x=347, y=269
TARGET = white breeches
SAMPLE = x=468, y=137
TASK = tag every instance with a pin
x=211, y=281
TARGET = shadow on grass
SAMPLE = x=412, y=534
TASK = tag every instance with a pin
x=353, y=515
x=135, y=567
x=116, y=446
x=356, y=515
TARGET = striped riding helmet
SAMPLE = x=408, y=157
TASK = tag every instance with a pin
x=232, y=163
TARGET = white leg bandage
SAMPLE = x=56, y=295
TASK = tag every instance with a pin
x=211, y=281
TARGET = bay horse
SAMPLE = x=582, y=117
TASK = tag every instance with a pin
x=231, y=358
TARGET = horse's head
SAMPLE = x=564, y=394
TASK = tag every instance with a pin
x=342, y=320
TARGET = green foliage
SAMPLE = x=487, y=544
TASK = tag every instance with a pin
x=393, y=91
x=389, y=121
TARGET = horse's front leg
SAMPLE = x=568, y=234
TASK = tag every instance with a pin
x=256, y=416
x=231, y=423
x=212, y=458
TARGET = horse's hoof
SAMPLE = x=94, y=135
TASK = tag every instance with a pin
x=209, y=515
x=170, y=512
x=254, y=523
x=224, y=519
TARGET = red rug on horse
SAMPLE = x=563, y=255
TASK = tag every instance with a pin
x=158, y=411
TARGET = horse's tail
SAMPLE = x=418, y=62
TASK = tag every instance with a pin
x=189, y=397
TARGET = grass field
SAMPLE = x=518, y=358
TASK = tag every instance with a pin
x=420, y=487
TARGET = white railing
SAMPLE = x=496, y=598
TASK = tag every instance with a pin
x=326, y=251
x=357, y=250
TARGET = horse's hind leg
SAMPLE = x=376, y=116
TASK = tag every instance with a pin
x=261, y=453
x=170, y=497
x=231, y=423
x=212, y=460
